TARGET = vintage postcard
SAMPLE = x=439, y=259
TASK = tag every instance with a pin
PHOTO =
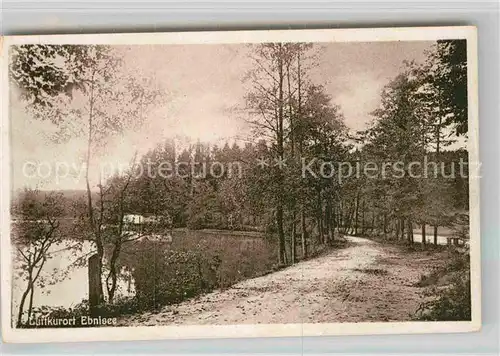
x=240, y=184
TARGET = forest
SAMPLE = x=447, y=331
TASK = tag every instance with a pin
x=288, y=191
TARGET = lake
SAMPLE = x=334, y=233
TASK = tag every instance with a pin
x=71, y=282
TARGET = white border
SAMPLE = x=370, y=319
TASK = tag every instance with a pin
x=251, y=330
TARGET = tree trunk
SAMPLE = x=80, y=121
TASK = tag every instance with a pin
x=293, y=247
x=363, y=218
x=409, y=233
x=90, y=211
x=438, y=142
x=340, y=218
x=94, y=278
x=334, y=222
x=100, y=254
x=281, y=235
x=385, y=224
x=280, y=143
x=293, y=251
x=319, y=217
x=356, y=218
x=328, y=221
x=424, y=237
x=372, y=228
x=21, y=304
x=33, y=281
x=346, y=213
x=299, y=114
x=30, y=305
x=303, y=231
x=112, y=275
x=349, y=221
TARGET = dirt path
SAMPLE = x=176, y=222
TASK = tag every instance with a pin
x=366, y=281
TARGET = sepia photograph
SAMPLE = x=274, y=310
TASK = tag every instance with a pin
x=242, y=183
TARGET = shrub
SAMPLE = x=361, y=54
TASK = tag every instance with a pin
x=453, y=302
x=449, y=288
x=194, y=263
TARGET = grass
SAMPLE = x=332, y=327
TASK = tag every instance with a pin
x=448, y=289
x=195, y=262
x=199, y=261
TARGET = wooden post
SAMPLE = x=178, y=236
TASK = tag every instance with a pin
x=94, y=278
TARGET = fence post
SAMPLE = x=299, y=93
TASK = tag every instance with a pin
x=94, y=285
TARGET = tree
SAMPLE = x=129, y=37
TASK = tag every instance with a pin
x=34, y=235
x=115, y=202
x=449, y=75
x=43, y=72
x=277, y=104
x=325, y=139
x=419, y=110
x=84, y=87
x=266, y=104
x=396, y=136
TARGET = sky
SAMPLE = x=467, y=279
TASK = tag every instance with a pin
x=203, y=83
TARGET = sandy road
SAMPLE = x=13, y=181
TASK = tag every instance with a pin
x=366, y=281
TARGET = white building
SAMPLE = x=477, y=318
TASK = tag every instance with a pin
x=152, y=219
x=133, y=219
